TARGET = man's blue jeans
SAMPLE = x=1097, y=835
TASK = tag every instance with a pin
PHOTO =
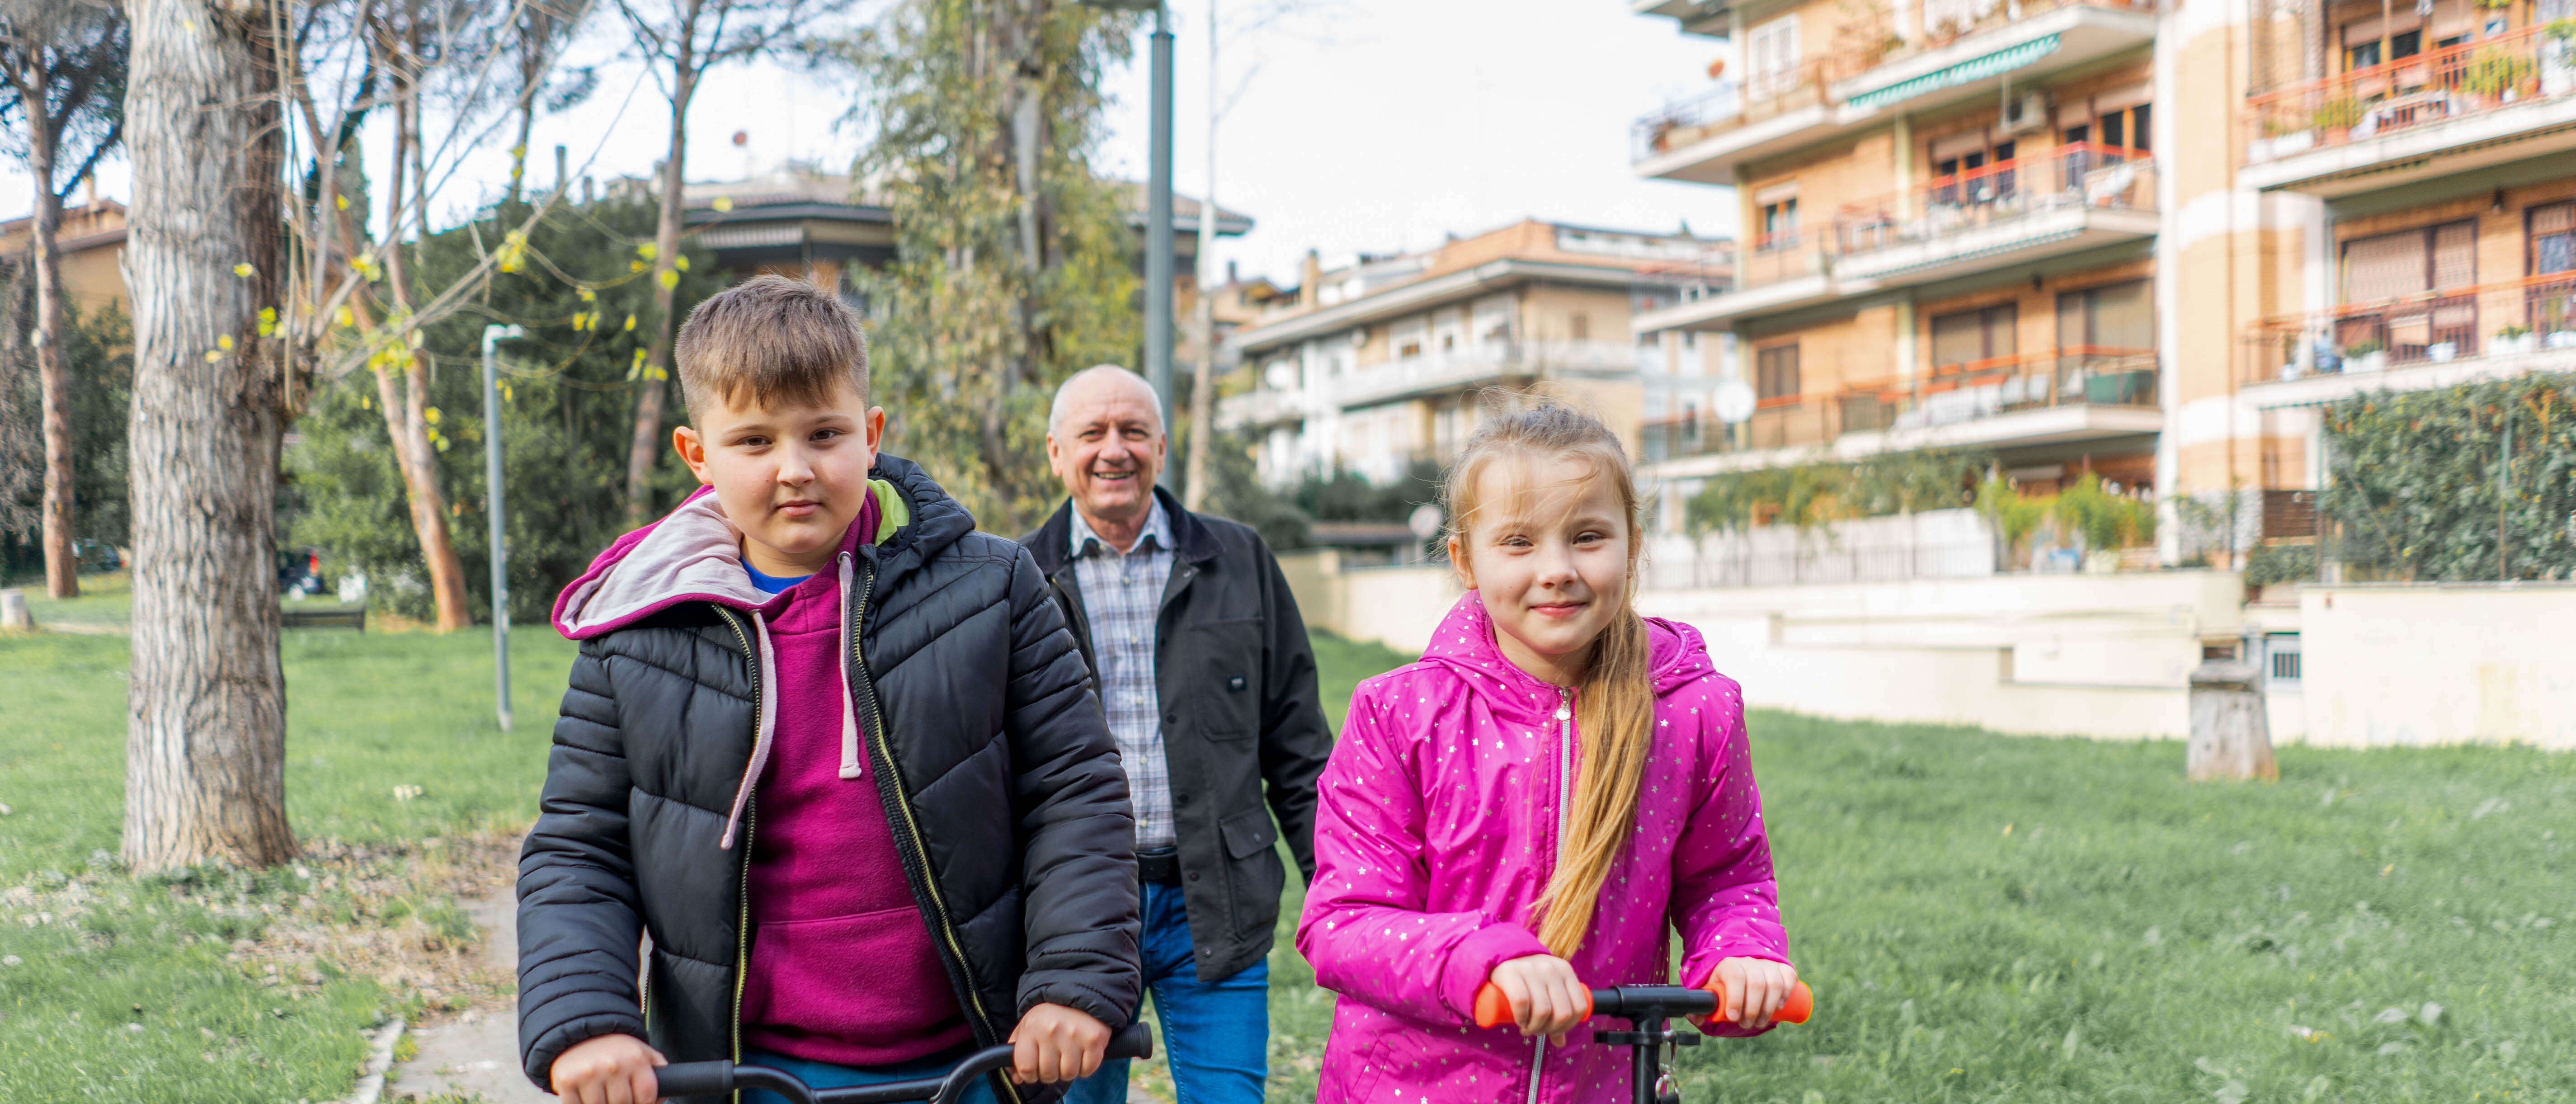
x=1216, y=1035
x=820, y=1075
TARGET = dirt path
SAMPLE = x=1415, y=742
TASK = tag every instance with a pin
x=475, y=1052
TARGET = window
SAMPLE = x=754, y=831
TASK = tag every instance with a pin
x=2552, y=230
x=1775, y=372
x=1771, y=58
x=2361, y=44
x=1779, y=225
x=1980, y=174
x=2390, y=266
x=2106, y=319
x=2281, y=650
x=1972, y=336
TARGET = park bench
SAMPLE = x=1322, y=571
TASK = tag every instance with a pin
x=324, y=619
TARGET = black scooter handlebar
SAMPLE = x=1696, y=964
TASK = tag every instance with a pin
x=686, y=1079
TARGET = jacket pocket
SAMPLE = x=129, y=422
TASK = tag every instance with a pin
x=868, y=975
x=1220, y=669
x=1248, y=833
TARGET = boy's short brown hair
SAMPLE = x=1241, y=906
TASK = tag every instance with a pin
x=777, y=338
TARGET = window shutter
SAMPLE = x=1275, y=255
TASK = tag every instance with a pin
x=2384, y=267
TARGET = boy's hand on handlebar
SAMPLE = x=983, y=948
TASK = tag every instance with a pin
x=1055, y=1043
x=1547, y=999
x=606, y=1069
x=1750, y=991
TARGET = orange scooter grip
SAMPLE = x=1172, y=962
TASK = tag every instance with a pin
x=1493, y=1009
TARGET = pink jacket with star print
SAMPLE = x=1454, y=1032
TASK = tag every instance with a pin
x=1437, y=828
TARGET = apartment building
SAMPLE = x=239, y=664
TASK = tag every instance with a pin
x=2144, y=238
x=1376, y=364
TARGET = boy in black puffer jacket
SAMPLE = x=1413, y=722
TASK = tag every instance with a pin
x=833, y=750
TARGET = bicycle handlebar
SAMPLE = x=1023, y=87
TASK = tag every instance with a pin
x=681, y=1079
x=1493, y=1009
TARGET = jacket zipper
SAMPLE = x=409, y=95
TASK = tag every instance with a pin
x=742, y=857
x=917, y=857
x=1564, y=769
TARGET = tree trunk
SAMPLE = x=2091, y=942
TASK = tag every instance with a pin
x=206, y=712
x=407, y=410
x=646, y=448
x=62, y=568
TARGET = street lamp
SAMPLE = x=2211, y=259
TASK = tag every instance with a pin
x=1158, y=215
x=493, y=335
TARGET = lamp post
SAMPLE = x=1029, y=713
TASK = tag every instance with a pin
x=1158, y=215
x=492, y=336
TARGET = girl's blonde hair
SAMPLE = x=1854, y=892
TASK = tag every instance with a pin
x=1615, y=702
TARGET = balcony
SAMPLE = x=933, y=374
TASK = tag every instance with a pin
x=2439, y=113
x=2075, y=197
x=2072, y=198
x=2059, y=396
x=1261, y=408
x=1704, y=138
x=1475, y=365
x=2431, y=340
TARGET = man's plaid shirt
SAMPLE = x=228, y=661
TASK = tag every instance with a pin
x=1122, y=596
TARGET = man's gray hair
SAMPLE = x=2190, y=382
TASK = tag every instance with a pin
x=1056, y=413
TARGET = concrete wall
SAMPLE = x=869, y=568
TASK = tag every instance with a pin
x=1394, y=606
x=2440, y=663
x=2090, y=655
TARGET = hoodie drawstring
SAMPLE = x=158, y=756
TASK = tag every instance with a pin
x=768, y=729
x=849, y=707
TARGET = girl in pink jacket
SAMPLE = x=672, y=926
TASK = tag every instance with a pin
x=1531, y=804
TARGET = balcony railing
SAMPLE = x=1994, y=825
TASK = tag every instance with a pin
x=1729, y=106
x=2082, y=175
x=2079, y=376
x=2085, y=375
x=2454, y=82
x=2498, y=319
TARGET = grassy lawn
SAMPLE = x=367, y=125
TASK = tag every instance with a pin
x=1983, y=918
x=1989, y=918
x=117, y=988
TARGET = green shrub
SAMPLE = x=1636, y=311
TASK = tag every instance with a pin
x=2280, y=563
x=2496, y=71
x=2420, y=485
x=2342, y=111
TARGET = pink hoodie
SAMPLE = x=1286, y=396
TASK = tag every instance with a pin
x=1437, y=827
x=842, y=968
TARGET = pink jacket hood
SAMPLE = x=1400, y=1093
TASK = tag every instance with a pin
x=694, y=554
x=1437, y=826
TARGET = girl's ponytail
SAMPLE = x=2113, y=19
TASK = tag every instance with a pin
x=1615, y=704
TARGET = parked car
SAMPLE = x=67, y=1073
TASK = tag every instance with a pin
x=299, y=573
x=97, y=555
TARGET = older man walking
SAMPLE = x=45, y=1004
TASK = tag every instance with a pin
x=1204, y=669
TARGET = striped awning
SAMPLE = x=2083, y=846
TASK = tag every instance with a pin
x=2012, y=57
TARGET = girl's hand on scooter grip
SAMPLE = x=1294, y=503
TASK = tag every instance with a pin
x=606, y=1069
x=1751, y=990
x=1054, y=1043
x=1547, y=999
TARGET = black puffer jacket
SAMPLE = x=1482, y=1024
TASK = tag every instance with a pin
x=995, y=766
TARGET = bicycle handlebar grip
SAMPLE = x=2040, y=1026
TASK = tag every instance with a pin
x=693, y=1079
x=1136, y=1040
x=1493, y=1009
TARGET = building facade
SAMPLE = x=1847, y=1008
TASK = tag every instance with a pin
x=1376, y=365
x=2140, y=238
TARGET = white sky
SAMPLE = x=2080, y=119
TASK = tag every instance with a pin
x=1365, y=125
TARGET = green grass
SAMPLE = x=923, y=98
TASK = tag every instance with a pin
x=366, y=714
x=2173, y=934
x=2134, y=936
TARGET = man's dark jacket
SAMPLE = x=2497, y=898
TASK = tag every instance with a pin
x=1240, y=717
x=1022, y=861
